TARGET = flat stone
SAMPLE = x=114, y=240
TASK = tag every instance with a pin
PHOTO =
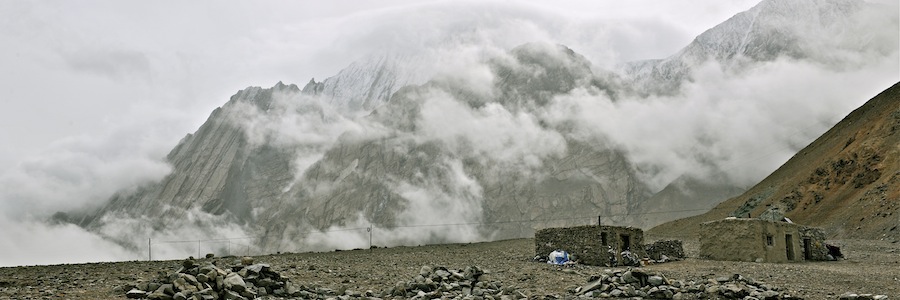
x=849, y=296
x=159, y=295
x=136, y=294
x=595, y=285
x=258, y=268
x=235, y=283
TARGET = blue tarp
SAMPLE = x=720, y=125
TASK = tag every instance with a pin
x=558, y=257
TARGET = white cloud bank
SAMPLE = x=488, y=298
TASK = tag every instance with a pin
x=115, y=85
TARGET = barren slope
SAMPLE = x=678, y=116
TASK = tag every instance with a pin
x=847, y=181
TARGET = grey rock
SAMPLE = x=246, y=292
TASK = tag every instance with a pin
x=159, y=295
x=232, y=295
x=849, y=296
x=257, y=268
x=425, y=271
x=136, y=294
x=595, y=285
x=246, y=260
x=627, y=277
x=235, y=283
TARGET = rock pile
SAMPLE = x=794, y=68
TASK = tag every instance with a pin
x=853, y=296
x=637, y=283
x=208, y=282
x=665, y=250
x=441, y=282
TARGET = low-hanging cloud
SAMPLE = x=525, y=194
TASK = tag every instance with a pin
x=435, y=211
x=491, y=132
x=742, y=125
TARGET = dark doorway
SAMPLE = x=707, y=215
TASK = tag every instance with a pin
x=626, y=242
x=789, y=246
x=806, y=253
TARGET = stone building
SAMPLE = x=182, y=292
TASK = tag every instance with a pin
x=745, y=239
x=589, y=244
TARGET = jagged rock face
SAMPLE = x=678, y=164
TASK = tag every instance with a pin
x=231, y=168
x=446, y=151
x=214, y=169
x=770, y=30
x=369, y=83
x=381, y=179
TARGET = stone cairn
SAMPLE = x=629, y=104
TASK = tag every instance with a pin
x=635, y=283
x=209, y=282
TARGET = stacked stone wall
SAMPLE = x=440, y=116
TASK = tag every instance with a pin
x=669, y=248
x=585, y=243
x=816, y=239
x=582, y=241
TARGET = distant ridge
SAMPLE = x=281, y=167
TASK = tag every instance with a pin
x=847, y=181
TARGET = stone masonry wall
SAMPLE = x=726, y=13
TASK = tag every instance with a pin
x=582, y=241
x=817, y=249
x=585, y=243
x=758, y=240
x=670, y=248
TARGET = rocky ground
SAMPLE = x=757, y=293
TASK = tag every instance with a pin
x=870, y=267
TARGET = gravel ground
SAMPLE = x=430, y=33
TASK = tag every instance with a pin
x=869, y=267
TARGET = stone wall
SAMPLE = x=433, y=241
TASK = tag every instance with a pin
x=669, y=248
x=580, y=241
x=743, y=239
x=589, y=244
x=814, y=243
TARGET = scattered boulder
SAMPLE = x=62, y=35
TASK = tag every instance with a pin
x=636, y=283
x=246, y=260
x=208, y=281
x=135, y=294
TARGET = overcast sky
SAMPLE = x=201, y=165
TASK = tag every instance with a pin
x=84, y=70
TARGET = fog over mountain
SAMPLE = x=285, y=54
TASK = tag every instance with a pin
x=484, y=127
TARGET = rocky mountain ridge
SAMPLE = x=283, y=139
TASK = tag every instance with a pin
x=847, y=181
x=441, y=160
x=770, y=30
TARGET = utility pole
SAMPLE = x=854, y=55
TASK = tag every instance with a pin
x=599, y=218
x=370, y=236
x=149, y=249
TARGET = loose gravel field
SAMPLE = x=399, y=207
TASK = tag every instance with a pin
x=870, y=267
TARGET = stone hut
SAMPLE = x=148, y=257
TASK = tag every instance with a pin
x=589, y=244
x=745, y=239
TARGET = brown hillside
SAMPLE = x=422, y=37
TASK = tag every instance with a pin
x=847, y=181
